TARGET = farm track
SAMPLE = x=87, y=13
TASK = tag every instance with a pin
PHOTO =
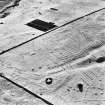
x=51, y=31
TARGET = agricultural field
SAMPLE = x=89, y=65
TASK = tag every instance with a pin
x=52, y=52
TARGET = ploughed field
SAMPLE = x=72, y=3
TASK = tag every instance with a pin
x=52, y=52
